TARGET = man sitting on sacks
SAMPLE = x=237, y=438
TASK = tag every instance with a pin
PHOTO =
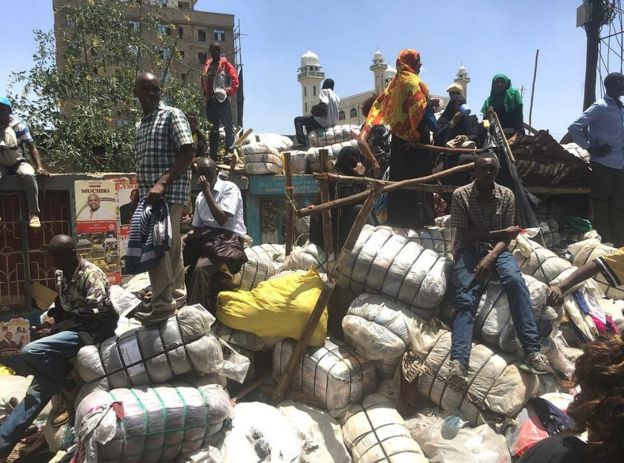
x=483, y=213
x=216, y=242
x=82, y=314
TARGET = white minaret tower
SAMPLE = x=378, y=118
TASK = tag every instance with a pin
x=388, y=75
x=463, y=79
x=310, y=75
x=378, y=67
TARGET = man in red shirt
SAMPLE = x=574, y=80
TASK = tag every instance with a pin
x=219, y=81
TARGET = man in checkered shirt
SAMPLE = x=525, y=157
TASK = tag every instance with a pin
x=165, y=150
x=483, y=212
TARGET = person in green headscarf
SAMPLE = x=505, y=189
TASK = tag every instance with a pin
x=507, y=102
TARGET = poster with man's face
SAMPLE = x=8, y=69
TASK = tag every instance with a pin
x=96, y=206
x=14, y=335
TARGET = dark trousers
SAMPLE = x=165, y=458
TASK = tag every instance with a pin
x=219, y=113
x=607, y=194
x=406, y=207
x=48, y=360
x=468, y=292
x=309, y=123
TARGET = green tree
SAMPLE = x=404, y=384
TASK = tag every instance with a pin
x=82, y=114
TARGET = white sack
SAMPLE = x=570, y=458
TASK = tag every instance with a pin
x=576, y=247
x=158, y=424
x=244, y=339
x=263, y=163
x=264, y=261
x=333, y=374
x=260, y=433
x=153, y=354
x=382, y=262
x=322, y=433
x=327, y=136
x=469, y=445
x=589, y=254
x=438, y=239
x=539, y=262
x=299, y=161
x=375, y=432
x=273, y=140
x=306, y=257
x=12, y=391
x=314, y=164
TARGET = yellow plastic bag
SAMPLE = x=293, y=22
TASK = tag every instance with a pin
x=4, y=370
x=275, y=308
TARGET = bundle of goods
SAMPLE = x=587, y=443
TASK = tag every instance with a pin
x=493, y=322
x=496, y=389
x=334, y=374
x=382, y=262
x=550, y=233
x=322, y=433
x=307, y=257
x=590, y=253
x=539, y=262
x=299, y=161
x=261, y=159
x=260, y=433
x=438, y=239
x=440, y=443
x=58, y=436
x=263, y=310
x=322, y=137
x=374, y=431
x=150, y=424
x=314, y=164
x=574, y=248
x=153, y=354
x=541, y=161
x=263, y=262
x=444, y=221
x=377, y=328
x=274, y=140
x=244, y=339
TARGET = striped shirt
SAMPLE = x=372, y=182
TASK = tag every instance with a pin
x=472, y=210
x=159, y=137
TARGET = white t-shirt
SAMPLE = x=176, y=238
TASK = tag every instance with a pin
x=328, y=97
x=228, y=197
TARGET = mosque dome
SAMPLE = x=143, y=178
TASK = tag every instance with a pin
x=310, y=58
x=389, y=73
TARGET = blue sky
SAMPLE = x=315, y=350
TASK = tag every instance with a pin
x=487, y=36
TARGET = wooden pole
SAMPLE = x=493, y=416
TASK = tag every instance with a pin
x=447, y=150
x=533, y=86
x=494, y=120
x=290, y=208
x=328, y=235
x=359, y=197
x=299, y=350
x=237, y=144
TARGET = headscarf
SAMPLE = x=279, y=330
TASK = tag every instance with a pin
x=451, y=108
x=403, y=103
x=511, y=97
x=455, y=87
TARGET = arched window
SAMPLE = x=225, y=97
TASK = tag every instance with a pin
x=306, y=107
x=353, y=112
x=341, y=116
x=305, y=91
x=314, y=90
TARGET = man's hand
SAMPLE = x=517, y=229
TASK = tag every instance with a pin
x=41, y=171
x=156, y=194
x=456, y=117
x=203, y=183
x=599, y=150
x=509, y=233
x=484, y=267
x=554, y=297
x=377, y=170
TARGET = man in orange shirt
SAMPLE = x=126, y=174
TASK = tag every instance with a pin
x=219, y=81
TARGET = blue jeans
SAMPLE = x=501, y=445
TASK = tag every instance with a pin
x=47, y=359
x=468, y=292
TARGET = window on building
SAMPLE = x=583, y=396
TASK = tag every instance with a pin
x=353, y=112
x=122, y=122
x=184, y=5
x=134, y=50
x=69, y=22
x=218, y=35
x=305, y=91
x=180, y=32
x=164, y=29
x=305, y=107
x=201, y=35
x=135, y=25
x=165, y=53
x=341, y=116
x=201, y=57
x=183, y=76
x=314, y=90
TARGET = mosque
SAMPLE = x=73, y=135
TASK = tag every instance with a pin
x=310, y=75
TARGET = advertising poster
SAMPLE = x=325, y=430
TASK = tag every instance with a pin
x=97, y=225
x=127, y=201
x=14, y=335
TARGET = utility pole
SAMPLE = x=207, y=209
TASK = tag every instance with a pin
x=591, y=17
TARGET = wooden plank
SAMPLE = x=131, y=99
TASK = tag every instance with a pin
x=290, y=208
x=328, y=234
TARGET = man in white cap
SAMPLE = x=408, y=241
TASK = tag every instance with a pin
x=219, y=82
x=13, y=160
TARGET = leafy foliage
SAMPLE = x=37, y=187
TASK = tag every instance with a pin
x=82, y=113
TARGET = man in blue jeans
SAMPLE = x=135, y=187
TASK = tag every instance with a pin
x=82, y=314
x=483, y=212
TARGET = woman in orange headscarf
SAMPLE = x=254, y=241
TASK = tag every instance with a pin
x=402, y=106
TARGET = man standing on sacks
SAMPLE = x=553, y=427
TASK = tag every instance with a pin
x=483, y=212
x=165, y=150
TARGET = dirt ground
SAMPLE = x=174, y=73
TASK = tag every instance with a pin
x=41, y=457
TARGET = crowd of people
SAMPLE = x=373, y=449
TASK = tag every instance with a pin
x=169, y=146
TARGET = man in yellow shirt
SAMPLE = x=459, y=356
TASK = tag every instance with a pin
x=610, y=265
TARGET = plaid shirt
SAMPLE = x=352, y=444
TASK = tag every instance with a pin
x=159, y=137
x=87, y=288
x=471, y=210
